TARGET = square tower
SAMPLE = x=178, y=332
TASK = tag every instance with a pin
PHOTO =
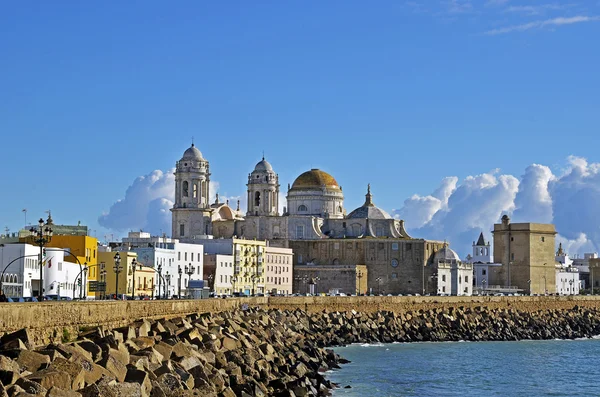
x=526, y=252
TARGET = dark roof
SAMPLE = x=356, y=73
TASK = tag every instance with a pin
x=481, y=240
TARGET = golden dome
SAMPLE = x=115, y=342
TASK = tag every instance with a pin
x=315, y=179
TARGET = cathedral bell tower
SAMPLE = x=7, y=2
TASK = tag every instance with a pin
x=481, y=251
x=191, y=211
x=263, y=191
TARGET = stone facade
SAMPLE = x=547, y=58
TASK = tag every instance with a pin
x=403, y=266
x=526, y=252
x=323, y=279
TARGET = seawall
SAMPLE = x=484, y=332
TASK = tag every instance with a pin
x=49, y=319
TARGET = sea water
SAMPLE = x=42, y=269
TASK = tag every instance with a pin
x=524, y=368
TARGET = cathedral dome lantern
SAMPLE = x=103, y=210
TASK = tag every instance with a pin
x=263, y=190
x=369, y=210
x=316, y=193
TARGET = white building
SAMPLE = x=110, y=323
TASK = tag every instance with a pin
x=279, y=272
x=20, y=265
x=167, y=256
x=454, y=277
x=567, y=275
x=567, y=281
x=220, y=267
x=482, y=264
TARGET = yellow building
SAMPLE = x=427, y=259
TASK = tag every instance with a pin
x=248, y=270
x=144, y=275
x=80, y=249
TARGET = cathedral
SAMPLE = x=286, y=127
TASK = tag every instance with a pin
x=314, y=223
x=315, y=208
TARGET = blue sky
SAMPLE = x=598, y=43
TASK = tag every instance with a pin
x=398, y=94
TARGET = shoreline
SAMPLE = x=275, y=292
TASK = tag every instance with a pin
x=255, y=352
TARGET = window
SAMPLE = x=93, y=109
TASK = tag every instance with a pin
x=380, y=246
x=394, y=246
x=466, y=279
x=394, y=275
x=195, y=190
x=483, y=272
x=181, y=231
x=443, y=277
x=185, y=256
x=512, y=257
x=302, y=208
x=543, y=239
x=257, y=199
x=179, y=254
x=299, y=258
x=186, y=187
x=336, y=246
x=198, y=257
x=299, y=231
x=512, y=239
x=408, y=246
x=379, y=231
x=444, y=289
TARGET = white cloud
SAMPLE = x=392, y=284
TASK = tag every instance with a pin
x=537, y=9
x=554, y=22
x=145, y=206
x=568, y=200
x=148, y=201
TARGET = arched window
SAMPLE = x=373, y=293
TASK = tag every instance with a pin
x=302, y=208
x=257, y=199
x=195, y=191
x=186, y=188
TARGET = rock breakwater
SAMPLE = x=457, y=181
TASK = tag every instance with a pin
x=252, y=352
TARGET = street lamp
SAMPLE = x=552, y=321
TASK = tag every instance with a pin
x=529, y=286
x=167, y=283
x=180, y=272
x=571, y=286
x=102, y=280
x=84, y=281
x=189, y=270
x=41, y=236
x=314, y=283
x=233, y=281
x=378, y=279
x=117, y=268
x=483, y=284
x=253, y=278
x=359, y=274
x=159, y=271
x=210, y=279
x=134, y=265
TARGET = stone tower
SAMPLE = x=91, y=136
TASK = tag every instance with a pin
x=191, y=211
x=263, y=190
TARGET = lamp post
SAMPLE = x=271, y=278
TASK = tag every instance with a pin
x=159, y=271
x=134, y=265
x=167, y=283
x=483, y=285
x=117, y=268
x=189, y=270
x=84, y=281
x=254, y=277
x=41, y=236
x=378, y=279
x=359, y=275
x=180, y=272
x=210, y=279
x=103, y=280
x=571, y=287
x=315, y=280
x=233, y=281
x=529, y=286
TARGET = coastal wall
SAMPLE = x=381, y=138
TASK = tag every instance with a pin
x=49, y=318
